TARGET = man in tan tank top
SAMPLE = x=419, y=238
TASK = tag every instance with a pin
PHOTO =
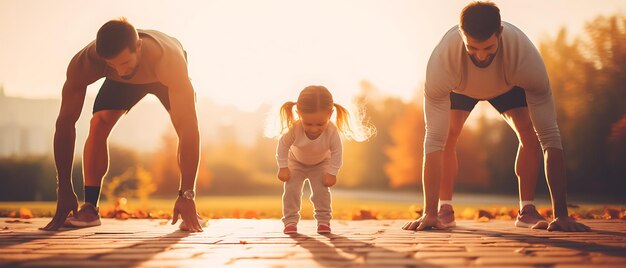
x=134, y=63
x=486, y=59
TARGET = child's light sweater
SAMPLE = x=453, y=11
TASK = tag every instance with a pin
x=296, y=145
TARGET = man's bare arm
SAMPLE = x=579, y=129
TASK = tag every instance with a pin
x=185, y=120
x=72, y=100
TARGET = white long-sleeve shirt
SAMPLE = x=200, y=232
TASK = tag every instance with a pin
x=517, y=63
x=296, y=145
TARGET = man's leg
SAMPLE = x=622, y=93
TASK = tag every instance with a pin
x=95, y=165
x=450, y=160
x=96, y=153
x=527, y=166
x=529, y=155
x=451, y=170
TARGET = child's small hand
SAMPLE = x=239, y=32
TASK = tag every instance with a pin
x=284, y=174
x=329, y=180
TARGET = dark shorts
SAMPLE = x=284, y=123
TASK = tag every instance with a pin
x=514, y=98
x=115, y=95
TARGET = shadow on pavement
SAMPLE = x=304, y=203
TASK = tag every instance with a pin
x=344, y=251
x=561, y=242
x=124, y=256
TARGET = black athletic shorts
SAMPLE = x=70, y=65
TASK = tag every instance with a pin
x=514, y=98
x=115, y=95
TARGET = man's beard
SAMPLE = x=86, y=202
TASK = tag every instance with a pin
x=483, y=64
x=132, y=74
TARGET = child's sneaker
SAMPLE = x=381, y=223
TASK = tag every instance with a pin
x=290, y=229
x=86, y=216
x=323, y=228
x=529, y=216
x=446, y=215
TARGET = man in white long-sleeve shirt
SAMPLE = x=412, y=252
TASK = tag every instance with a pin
x=484, y=58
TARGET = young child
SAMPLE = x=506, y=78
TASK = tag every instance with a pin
x=310, y=148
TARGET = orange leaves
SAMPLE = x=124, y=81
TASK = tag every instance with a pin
x=22, y=213
x=248, y=214
x=364, y=215
x=614, y=214
x=484, y=215
x=25, y=213
x=123, y=212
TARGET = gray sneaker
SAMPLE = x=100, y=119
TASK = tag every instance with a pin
x=87, y=216
x=446, y=215
x=529, y=216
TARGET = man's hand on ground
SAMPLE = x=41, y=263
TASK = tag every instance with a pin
x=186, y=208
x=425, y=222
x=66, y=203
x=567, y=224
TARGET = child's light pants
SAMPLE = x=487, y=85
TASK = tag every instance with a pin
x=320, y=194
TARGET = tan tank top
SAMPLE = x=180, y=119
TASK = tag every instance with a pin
x=158, y=49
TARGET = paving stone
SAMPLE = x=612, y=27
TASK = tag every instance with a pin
x=260, y=243
x=511, y=260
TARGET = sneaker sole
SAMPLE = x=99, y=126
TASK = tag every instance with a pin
x=522, y=224
x=324, y=231
x=85, y=223
x=449, y=225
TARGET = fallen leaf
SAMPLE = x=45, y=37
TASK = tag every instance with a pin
x=504, y=217
x=611, y=213
x=468, y=213
x=243, y=242
x=482, y=219
x=250, y=214
x=484, y=214
x=25, y=213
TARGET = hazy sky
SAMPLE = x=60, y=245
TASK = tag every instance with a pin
x=249, y=52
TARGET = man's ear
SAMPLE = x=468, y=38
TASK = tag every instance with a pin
x=138, y=44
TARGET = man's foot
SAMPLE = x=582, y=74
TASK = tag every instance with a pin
x=290, y=229
x=530, y=217
x=87, y=216
x=446, y=216
x=323, y=228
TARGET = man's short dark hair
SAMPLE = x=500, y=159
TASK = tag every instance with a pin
x=114, y=36
x=480, y=20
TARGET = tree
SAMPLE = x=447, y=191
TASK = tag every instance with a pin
x=407, y=147
x=587, y=77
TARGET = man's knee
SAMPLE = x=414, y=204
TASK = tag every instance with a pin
x=453, y=136
x=528, y=137
x=457, y=120
x=104, y=120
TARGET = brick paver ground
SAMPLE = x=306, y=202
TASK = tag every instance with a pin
x=260, y=243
